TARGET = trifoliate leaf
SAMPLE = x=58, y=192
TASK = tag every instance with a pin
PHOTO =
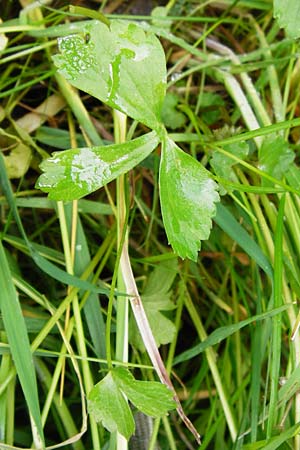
x=106, y=403
x=156, y=298
x=222, y=164
x=121, y=65
x=287, y=12
x=188, y=196
x=151, y=397
x=275, y=157
x=71, y=174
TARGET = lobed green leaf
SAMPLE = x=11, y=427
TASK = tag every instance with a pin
x=151, y=397
x=287, y=12
x=222, y=164
x=71, y=174
x=156, y=298
x=107, y=405
x=188, y=196
x=121, y=65
x=275, y=157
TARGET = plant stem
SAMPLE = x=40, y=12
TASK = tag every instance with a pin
x=120, y=121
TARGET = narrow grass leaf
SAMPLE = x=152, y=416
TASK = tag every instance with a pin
x=276, y=322
x=18, y=341
x=222, y=164
x=92, y=306
x=223, y=332
x=229, y=224
x=276, y=442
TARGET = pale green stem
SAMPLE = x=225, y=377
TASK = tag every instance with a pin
x=276, y=321
x=247, y=82
x=278, y=107
x=120, y=121
x=171, y=440
x=238, y=352
x=236, y=92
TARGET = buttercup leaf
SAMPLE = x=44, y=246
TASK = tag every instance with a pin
x=188, y=196
x=222, y=164
x=287, y=12
x=151, y=397
x=275, y=157
x=71, y=174
x=121, y=65
x=156, y=298
x=107, y=405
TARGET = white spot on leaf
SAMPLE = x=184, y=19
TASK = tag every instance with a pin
x=88, y=170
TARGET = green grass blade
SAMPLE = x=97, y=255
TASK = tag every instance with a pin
x=18, y=340
x=228, y=223
x=276, y=332
x=222, y=333
x=92, y=307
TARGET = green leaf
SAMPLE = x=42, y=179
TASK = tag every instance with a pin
x=222, y=333
x=287, y=12
x=222, y=164
x=107, y=405
x=210, y=103
x=156, y=298
x=188, y=196
x=151, y=397
x=18, y=340
x=171, y=117
x=71, y=174
x=18, y=161
x=57, y=138
x=121, y=65
x=275, y=442
x=275, y=157
x=233, y=228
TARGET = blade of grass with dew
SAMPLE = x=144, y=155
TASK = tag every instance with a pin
x=19, y=344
